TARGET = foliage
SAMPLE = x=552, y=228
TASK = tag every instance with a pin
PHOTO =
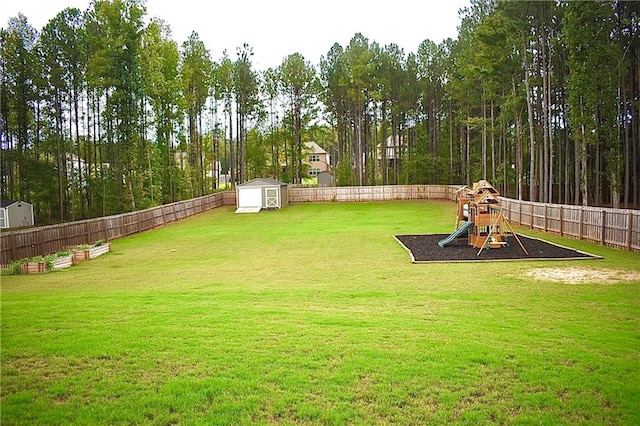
x=102, y=112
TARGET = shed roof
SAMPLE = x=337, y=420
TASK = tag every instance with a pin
x=7, y=203
x=263, y=182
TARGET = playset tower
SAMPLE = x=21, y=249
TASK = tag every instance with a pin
x=479, y=214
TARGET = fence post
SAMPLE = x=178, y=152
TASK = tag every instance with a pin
x=561, y=221
x=545, y=218
x=580, y=220
x=13, y=247
x=603, y=226
x=519, y=212
x=40, y=242
x=629, y=230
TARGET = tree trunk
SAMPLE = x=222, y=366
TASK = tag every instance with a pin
x=519, y=156
x=532, y=138
x=358, y=150
x=493, y=147
x=450, y=143
x=584, y=183
x=383, y=151
x=545, y=132
x=232, y=165
x=484, y=136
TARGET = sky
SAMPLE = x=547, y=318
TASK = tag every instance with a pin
x=275, y=29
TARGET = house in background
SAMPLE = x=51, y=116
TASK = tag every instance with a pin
x=15, y=214
x=393, y=146
x=318, y=159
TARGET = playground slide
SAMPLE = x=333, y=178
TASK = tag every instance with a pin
x=462, y=229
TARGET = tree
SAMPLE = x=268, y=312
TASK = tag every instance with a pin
x=592, y=88
x=18, y=62
x=162, y=86
x=114, y=30
x=271, y=88
x=298, y=82
x=223, y=91
x=246, y=85
x=196, y=70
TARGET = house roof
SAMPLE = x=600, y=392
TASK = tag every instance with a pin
x=314, y=148
x=263, y=182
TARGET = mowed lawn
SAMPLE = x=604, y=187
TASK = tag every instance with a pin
x=314, y=315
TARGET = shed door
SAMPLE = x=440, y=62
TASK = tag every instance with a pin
x=250, y=197
x=272, y=197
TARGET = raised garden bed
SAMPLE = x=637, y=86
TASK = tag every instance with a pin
x=42, y=264
x=90, y=252
x=62, y=262
x=33, y=267
x=57, y=261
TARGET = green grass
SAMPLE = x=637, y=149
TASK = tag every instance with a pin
x=315, y=315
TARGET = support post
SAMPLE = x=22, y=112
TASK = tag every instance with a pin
x=520, y=212
x=629, y=230
x=580, y=220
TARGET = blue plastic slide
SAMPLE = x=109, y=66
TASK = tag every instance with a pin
x=462, y=229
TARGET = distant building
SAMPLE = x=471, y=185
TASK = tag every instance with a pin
x=393, y=146
x=319, y=162
x=15, y=214
x=318, y=159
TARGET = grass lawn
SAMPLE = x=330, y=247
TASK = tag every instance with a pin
x=314, y=314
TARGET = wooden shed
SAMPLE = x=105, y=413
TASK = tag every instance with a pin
x=15, y=214
x=261, y=193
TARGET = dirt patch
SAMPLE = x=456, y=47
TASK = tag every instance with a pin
x=424, y=248
x=575, y=275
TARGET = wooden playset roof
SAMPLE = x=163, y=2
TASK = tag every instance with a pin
x=484, y=191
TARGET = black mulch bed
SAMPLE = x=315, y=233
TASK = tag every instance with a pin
x=424, y=248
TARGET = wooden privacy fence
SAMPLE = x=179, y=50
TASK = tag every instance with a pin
x=611, y=227
x=50, y=239
x=372, y=193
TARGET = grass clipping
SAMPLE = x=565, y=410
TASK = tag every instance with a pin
x=575, y=275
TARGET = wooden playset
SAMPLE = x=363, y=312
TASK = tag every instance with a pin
x=479, y=214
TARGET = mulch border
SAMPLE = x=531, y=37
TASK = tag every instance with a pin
x=587, y=256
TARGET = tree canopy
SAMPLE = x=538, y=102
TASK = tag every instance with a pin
x=101, y=112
